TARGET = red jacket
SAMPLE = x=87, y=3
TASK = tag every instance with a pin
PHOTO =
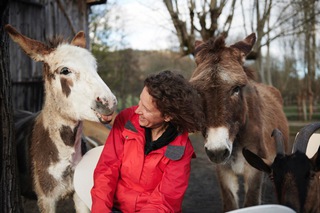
x=129, y=180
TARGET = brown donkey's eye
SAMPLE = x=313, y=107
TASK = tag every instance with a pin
x=236, y=90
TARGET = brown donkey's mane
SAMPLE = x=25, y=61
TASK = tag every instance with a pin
x=210, y=48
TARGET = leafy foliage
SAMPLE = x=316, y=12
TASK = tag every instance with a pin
x=125, y=70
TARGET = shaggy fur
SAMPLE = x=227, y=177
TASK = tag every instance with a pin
x=239, y=113
x=296, y=178
x=49, y=146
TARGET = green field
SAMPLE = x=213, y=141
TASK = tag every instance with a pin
x=295, y=122
x=292, y=113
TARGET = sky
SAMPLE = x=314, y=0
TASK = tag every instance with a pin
x=146, y=24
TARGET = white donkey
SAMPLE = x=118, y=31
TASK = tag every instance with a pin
x=49, y=142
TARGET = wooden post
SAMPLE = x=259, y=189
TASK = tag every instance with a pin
x=9, y=188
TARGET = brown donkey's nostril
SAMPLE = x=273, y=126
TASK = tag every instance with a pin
x=217, y=156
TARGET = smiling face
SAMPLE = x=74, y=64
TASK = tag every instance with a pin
x=149, y=115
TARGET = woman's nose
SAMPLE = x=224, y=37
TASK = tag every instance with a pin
x=138, y=111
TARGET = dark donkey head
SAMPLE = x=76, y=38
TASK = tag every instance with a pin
x=295, y=176
x=221, y=79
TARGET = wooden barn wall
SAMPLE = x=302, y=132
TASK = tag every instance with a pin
x=39, y=20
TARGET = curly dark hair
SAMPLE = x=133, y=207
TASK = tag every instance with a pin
x=175, y=97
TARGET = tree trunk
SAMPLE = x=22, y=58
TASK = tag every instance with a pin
x=10, y=195
x=262, y=10
x=203, y=16
x=268, y=57
x=310, y=47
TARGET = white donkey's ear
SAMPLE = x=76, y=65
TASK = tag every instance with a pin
x=35, y=49
x=79, y=40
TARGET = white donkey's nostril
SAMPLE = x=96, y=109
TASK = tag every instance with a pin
x=103, y=106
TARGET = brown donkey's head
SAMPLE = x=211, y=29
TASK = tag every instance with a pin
x=221, y=80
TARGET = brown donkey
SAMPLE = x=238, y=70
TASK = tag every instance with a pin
x=49, y=142
x=239, y=113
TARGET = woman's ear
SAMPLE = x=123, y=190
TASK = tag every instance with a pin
x=167, y=118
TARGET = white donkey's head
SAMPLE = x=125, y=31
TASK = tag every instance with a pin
x=73, y=88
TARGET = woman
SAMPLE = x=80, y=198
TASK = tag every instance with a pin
x=145, y=164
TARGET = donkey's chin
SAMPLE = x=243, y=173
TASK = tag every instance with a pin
x=105, y=119
x=104, y=115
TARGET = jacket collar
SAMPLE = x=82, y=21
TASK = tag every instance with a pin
x=173, y=151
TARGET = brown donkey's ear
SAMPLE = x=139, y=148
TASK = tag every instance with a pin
x=245, y=46
x=35, y=49
x=198, y=43
x=79, y=40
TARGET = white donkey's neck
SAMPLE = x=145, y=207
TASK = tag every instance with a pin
x=65, y=134
x=55, y=115
x=58, y=126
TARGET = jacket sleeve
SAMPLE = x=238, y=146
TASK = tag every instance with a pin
x=106, y=173
x=168, y=195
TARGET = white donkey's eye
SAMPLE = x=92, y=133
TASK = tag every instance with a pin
x=65, y=71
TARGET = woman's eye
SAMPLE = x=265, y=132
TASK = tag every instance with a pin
x=65, y=71
x=236, y=90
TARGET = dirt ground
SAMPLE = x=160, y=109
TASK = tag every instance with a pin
x=202, y=195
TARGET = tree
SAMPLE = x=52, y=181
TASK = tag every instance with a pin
x=119, y=69
x=262, y=16
x=270, y=19
x=99, y=27
x=309, y=28
x=10, y=196
x=199, y=25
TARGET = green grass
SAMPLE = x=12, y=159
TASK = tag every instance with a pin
x=292, y=113
x=295, y=122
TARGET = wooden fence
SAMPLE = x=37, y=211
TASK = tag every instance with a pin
x=28, y=95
